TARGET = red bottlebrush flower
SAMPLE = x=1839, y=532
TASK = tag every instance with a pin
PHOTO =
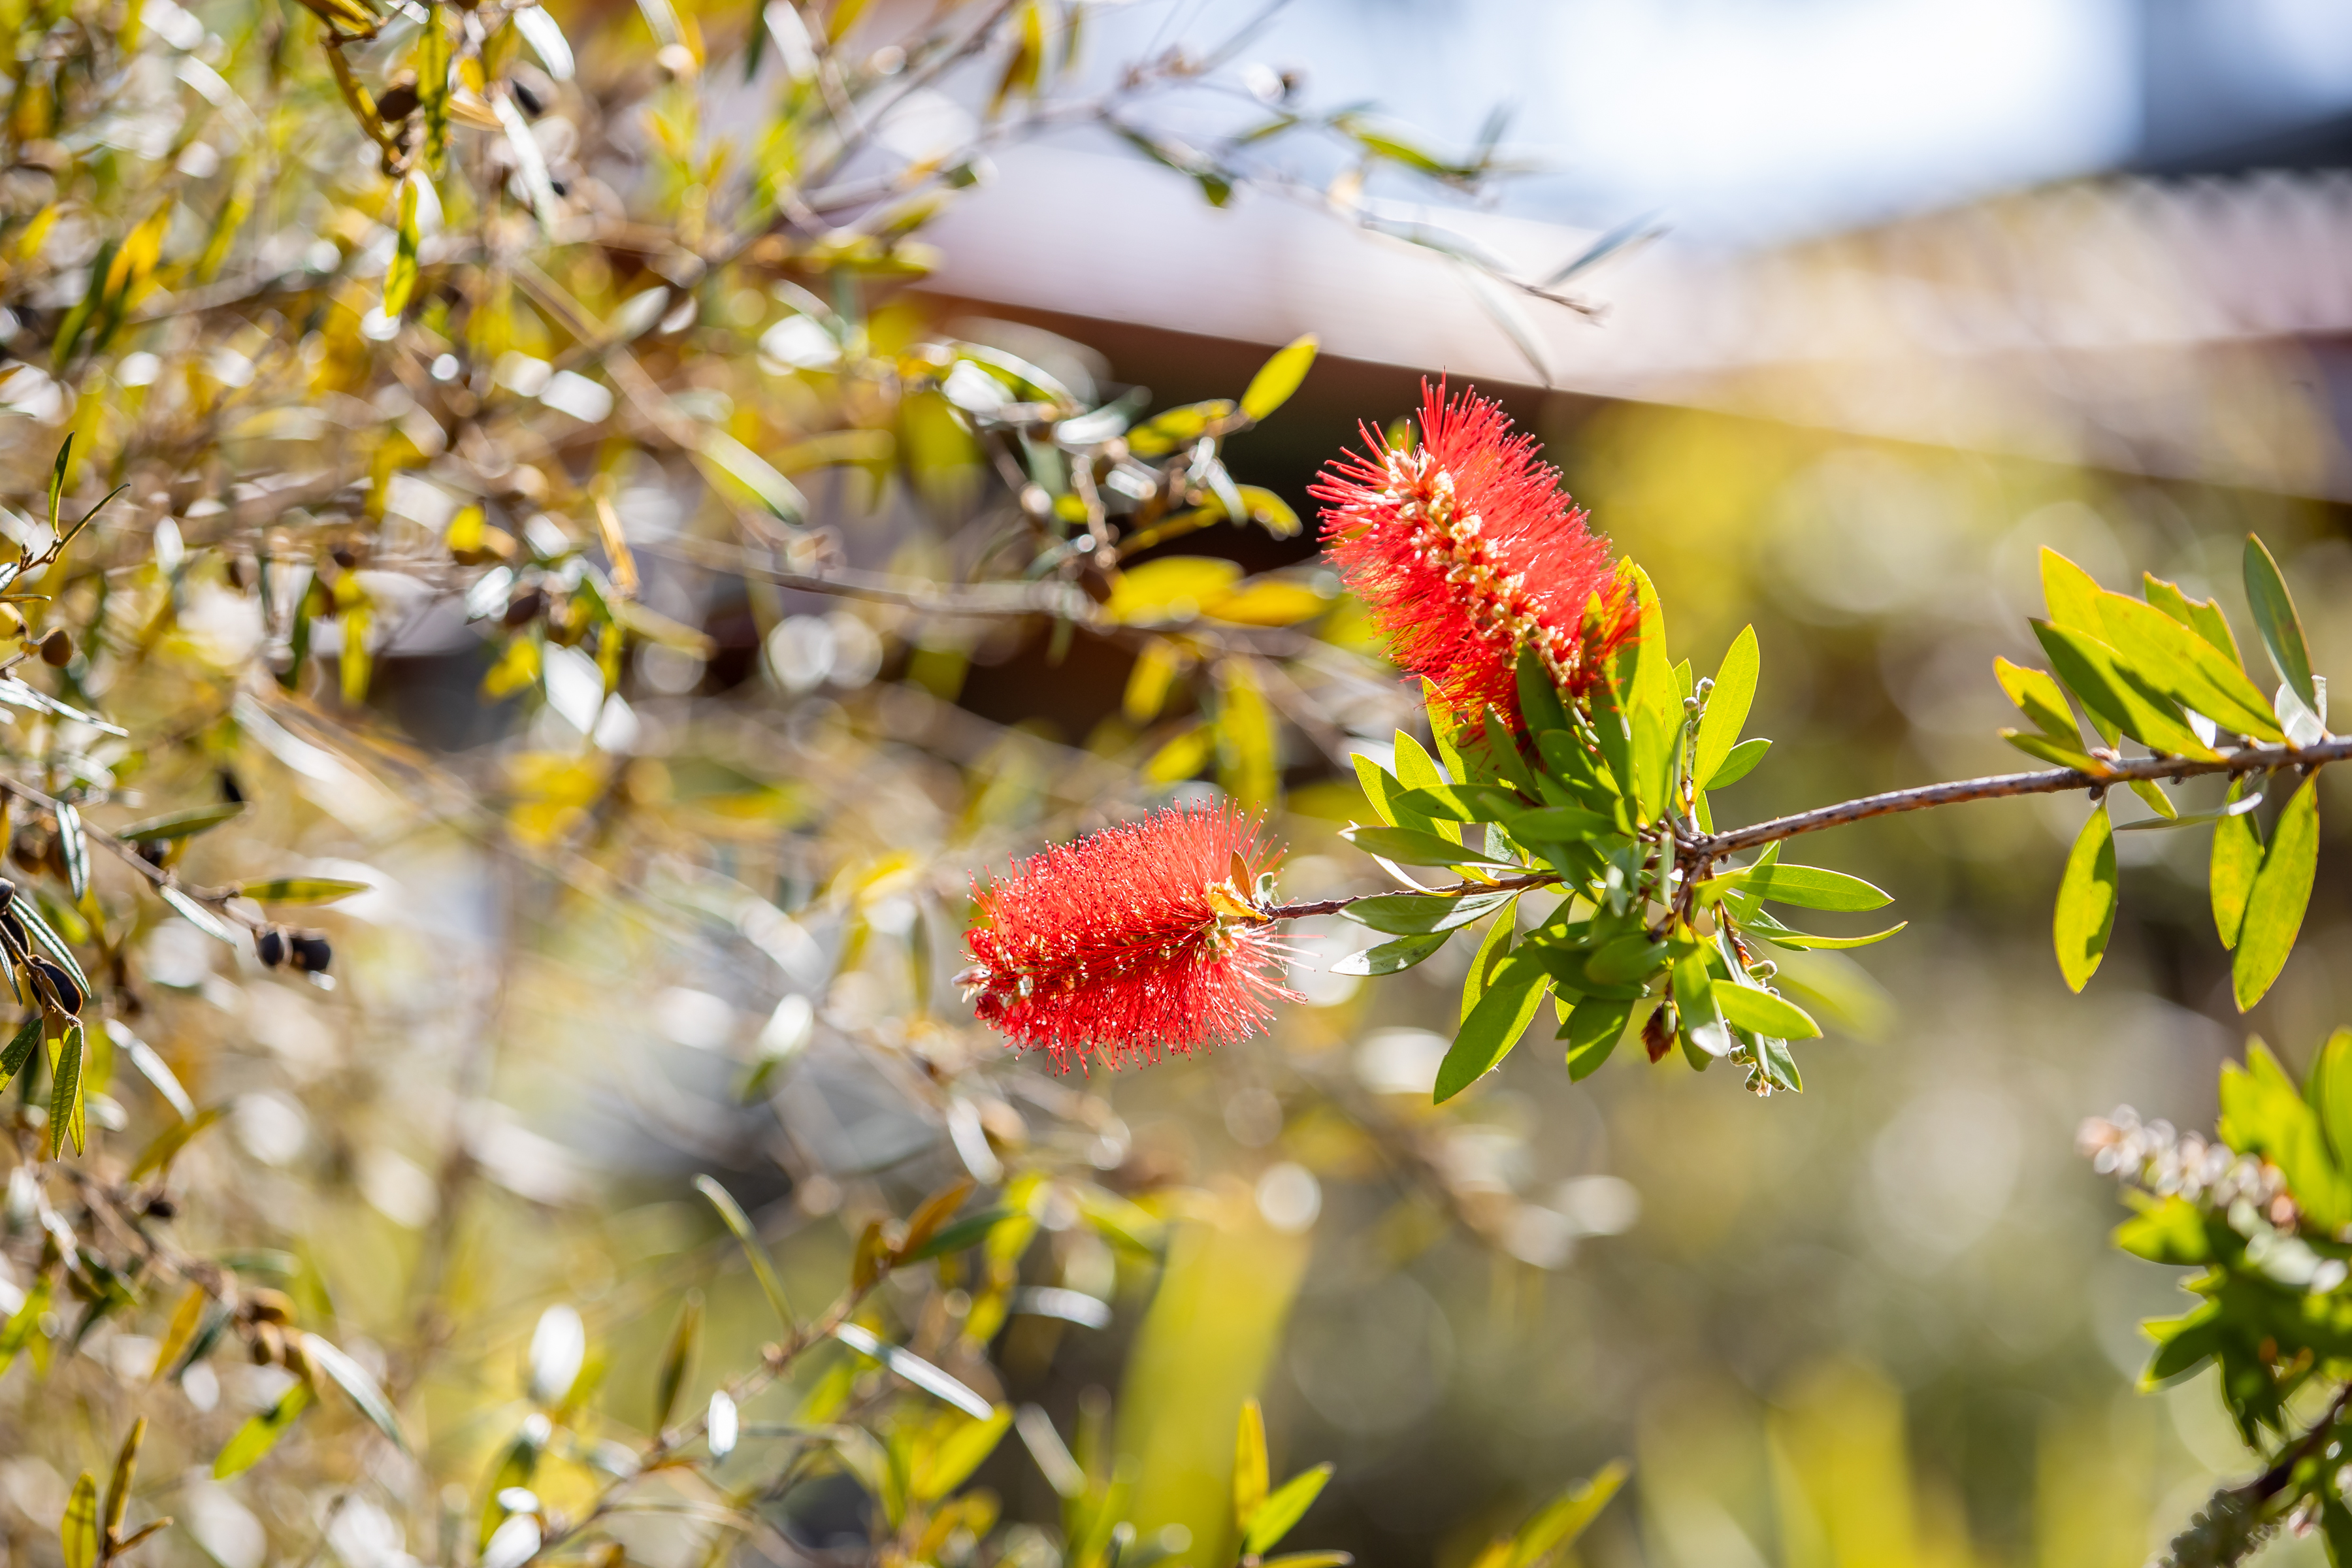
x=1142, y=937
x=1466, y=550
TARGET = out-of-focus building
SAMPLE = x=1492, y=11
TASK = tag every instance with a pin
x=2178, y=313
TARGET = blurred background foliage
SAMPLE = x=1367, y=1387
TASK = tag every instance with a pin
x=669, y=881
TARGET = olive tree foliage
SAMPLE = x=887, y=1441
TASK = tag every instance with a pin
x=343, y=332
x=335, y=331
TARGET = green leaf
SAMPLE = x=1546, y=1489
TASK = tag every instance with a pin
x=400, y=277
x=1463, y=803
x=1559, y=1521
x=954, y=1458
x=57, y=480
x=74, y=848
x=181, y=823
x=1625, y=960
x=2262, y=1113
x=2237, y=856
x=1613, y=735
x=1704, y=1029
x=199, y=916
x=1505, y=1009
x=1753, y=1009
x=2041, y=699
x=356, y=1380
x=2049, y=750
x=1251, y=1476
x=1420, y=914
x=1560, y=825
x=2072, y=593
x=739, y=1223
x=300, y=889
x=1539, y=705
x=2281, y=891
x=2329, y=1092
x=2186, y=668
x=1808, y=888
x=260, y=1434
x=1310, y=1559
x=1416, y=769
x=678, y=1359
x=78, y=1531
x=2152, y=793
x=27, y=1321
x=1797, y=940
x=969, y=1231
x=1727, y=706
x=1592, y=1030
x=2086, y=900
x=753, y=474
x=2274, y=618
x=1392, y=957
x=1411, y=846
x=20, y=1048
x=1653, y=744
x=2171, y=1230
x=2091, y=671
x=1493, y=948
x=1738, y=763
x=1284, y=1508
x=66, y=1099
x=1278, y=377
x=2203, y=616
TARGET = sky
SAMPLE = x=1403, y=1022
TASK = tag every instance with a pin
x=1753, y=121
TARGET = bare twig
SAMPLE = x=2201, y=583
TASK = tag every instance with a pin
x=2054, y=781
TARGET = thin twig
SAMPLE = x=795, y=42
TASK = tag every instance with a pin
x=2054, y=781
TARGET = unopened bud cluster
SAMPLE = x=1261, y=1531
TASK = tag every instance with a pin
x=2155, y=1158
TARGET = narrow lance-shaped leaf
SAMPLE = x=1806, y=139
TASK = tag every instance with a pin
x=356, y=1380
x=2276, y=902
x=66, y=1097
x=1751, y=1007
x=2237, y=856
x=1278, y=377
x=1284, y=1508
x=1726, y=707
x=1250, y=1478
x=1494, y=1027
x=739, y=1223
x=2087, y=901
x=78, y=1532
x=1592, y=1029
x=677, y=1361
x=260, y=1434
x=2274, y=618
x=126, y=1465
x=1392, y=957
x=73, y=846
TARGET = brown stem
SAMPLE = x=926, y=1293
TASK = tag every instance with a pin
x=2052, y=781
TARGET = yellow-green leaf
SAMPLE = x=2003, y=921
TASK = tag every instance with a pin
x=2086, y=900
x=400, y=277
x=1284, y=1508
x=1751, y=1007
x=2041, y=699
x=299, y=889
x=1251, y=1476
x=260, y=1434
x=1728, y=705
x=2237, y=856
x=1278, y=377
x=1173, y=588
x=78, y=1531
x=2276, y=903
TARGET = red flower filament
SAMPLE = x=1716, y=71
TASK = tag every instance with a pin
x=1466, y=551
x=1144, y=937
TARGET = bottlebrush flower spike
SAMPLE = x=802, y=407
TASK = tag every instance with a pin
x=1144, y=937
x=1466, y=550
